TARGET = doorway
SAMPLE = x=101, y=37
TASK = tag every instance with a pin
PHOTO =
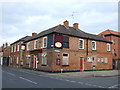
x=81, y=63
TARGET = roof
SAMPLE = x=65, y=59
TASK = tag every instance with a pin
x=107, y=32
x=22, y=39
x=69, y=31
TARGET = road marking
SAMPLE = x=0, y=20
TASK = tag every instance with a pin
x=114, y=86
x=58, y=79
x=28, y=80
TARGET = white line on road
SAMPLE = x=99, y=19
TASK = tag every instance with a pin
x=11, y=74
x=114, y=86
x=27, y=80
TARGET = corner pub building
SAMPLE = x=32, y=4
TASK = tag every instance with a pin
x=67, y=48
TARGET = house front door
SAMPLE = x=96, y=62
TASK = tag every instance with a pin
x=81, y=64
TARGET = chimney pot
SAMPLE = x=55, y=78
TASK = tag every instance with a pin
x=75, y=25
x=6, y=44
x=34, y=34
x=66, y=23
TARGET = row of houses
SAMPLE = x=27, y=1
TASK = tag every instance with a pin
x=66, y=48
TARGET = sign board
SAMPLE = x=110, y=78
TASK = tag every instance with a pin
x=57, y=50
x=23, y=47
x=58, y=44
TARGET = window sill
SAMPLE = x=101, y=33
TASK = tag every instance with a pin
x=94, y=50
x=65, y=65
x=81, y=48
x=43, y=65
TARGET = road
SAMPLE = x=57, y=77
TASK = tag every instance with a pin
x=20, y=78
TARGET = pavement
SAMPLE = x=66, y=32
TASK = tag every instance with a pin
x=106, y=73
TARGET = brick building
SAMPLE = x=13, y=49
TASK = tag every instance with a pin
x=67, y=48
x=16, y=55
x=1, y=55
x=114, y=37
x=6, y=54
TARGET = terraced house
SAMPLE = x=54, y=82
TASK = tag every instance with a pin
x=114, y=37
x=66, y=48
x=16, y=55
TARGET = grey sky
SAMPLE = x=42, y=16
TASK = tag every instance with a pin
x=22, y=18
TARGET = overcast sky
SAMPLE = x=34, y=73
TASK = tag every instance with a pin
x=22, y=18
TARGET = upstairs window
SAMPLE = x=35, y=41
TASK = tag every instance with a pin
x=81, y=44
x=18, y=47
x=12, y=48
x=44, y=42
x=28, y=46
x=108, y=47
x=93, y=45
x=15, y=48
x=35, y=44
x=65, y=42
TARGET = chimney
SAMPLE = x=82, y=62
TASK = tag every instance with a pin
x=34, y=34
x=75, y=25
x=6, y=44
x=66, y=23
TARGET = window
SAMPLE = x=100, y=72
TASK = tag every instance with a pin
x=102, y=60
x=108, y=47
x=28, y=46
x=12, y=48
x=93, y=45
x=27, y=60
x=65, y=42
x=35, y=44
x=65, y=59
x=17, y=60
x=15, y=48
x=18, y=47
x=81, y=44
x=11, y=60
x=114, y=52
x=44, y=42
x=98, y=59
x=106, y=60
x=44, y=59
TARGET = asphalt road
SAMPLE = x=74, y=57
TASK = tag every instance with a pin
x=15, y=78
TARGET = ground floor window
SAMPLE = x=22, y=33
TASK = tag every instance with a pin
x=17, y=60
x=28, y=59
x=44, y=59
x=65, y=59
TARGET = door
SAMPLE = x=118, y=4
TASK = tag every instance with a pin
x=35, y=62
x=81, y=64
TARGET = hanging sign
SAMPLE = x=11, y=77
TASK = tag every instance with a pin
x=58, y=44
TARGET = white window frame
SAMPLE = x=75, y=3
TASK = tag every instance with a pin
x=95, y=45
x=65, y=57
x=82, y=44
x=98, y=59
x=108, y=47
x=18, y=47
x=11, y=59
x=28, y=45
x=102, y=60
x=44, y=59
x=106, y=60
x=44, y=42
x=15, y=48
x=17, y=60
x=35, y=42
x=12, y=48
